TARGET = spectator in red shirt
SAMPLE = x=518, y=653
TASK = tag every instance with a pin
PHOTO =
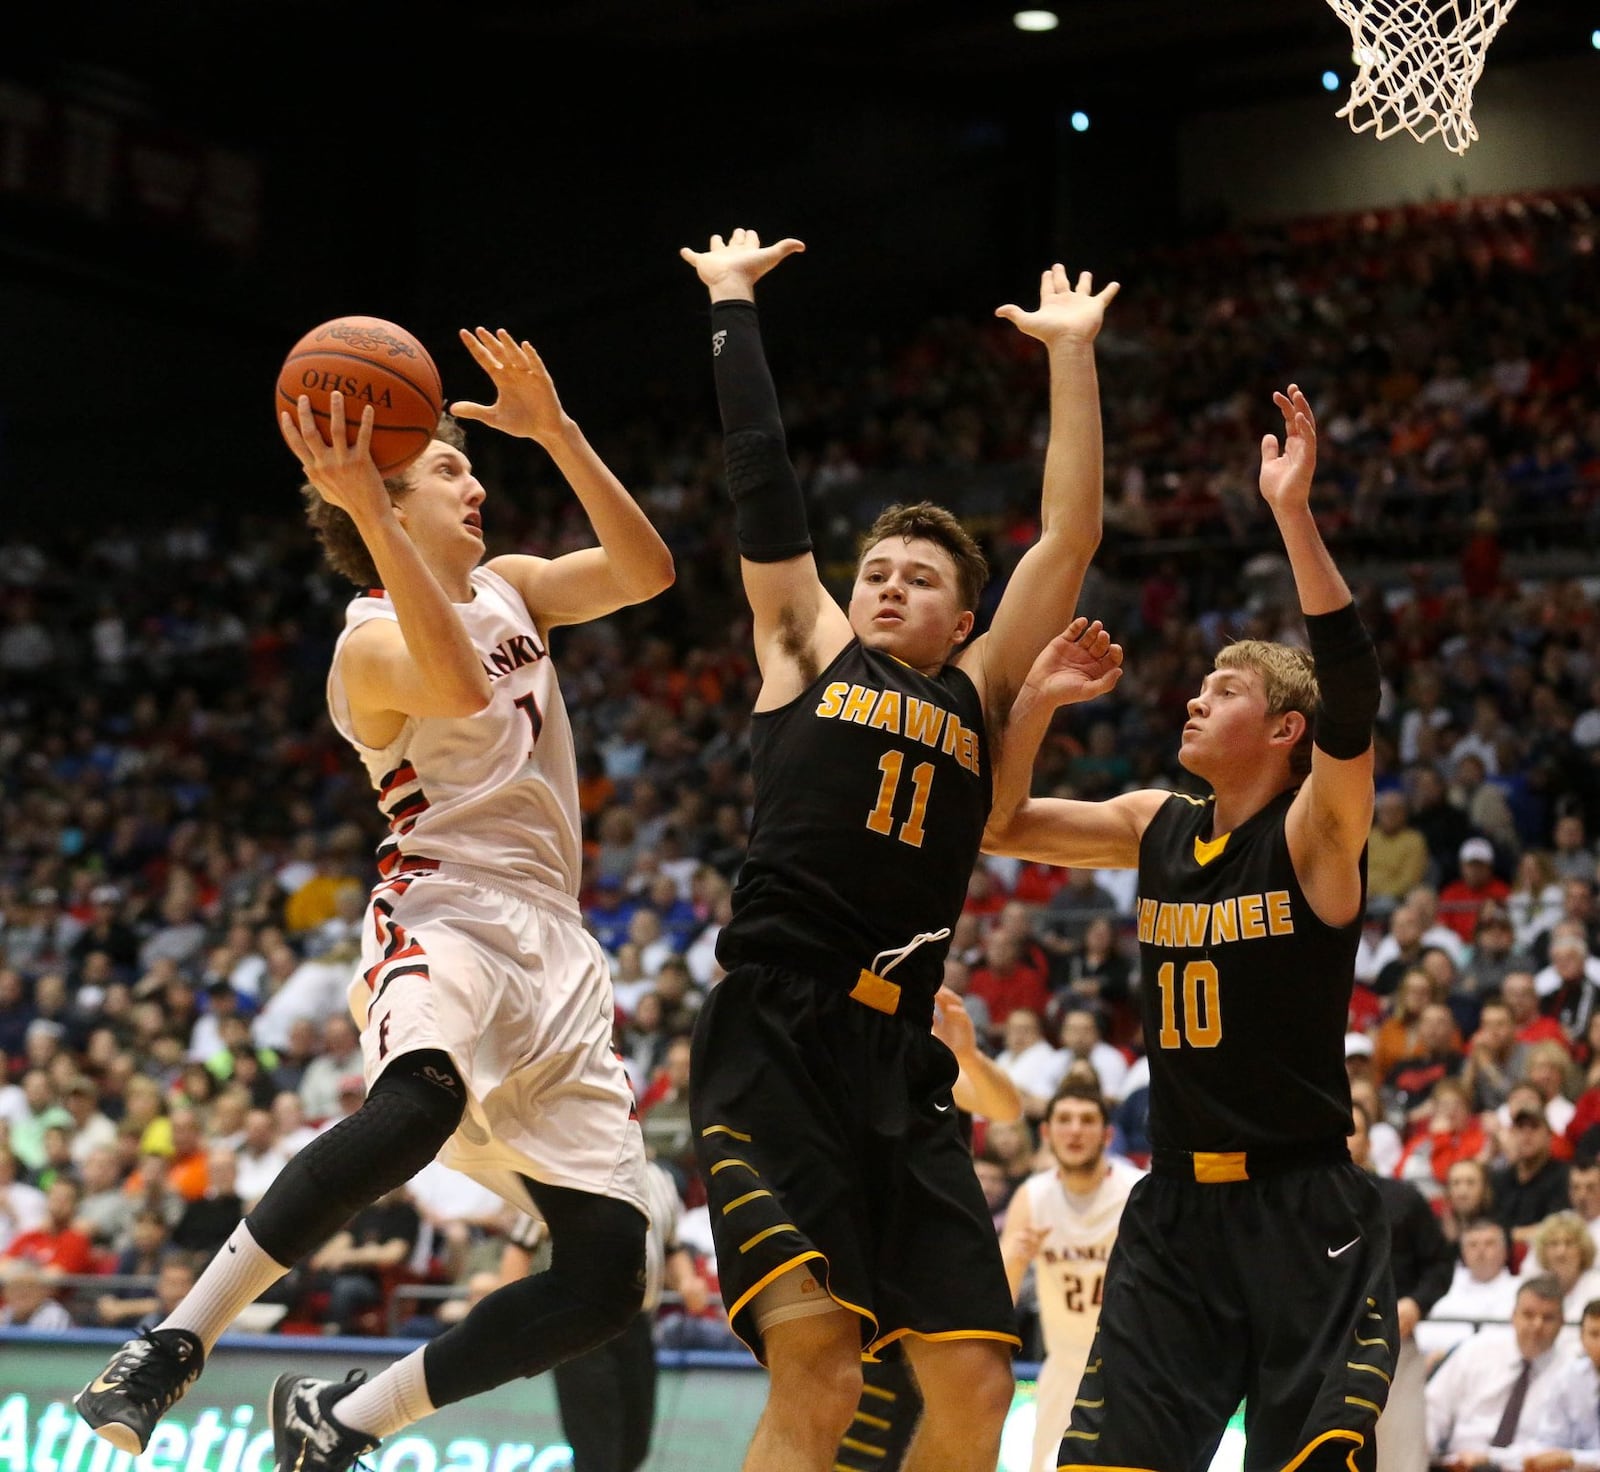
x=1461, y=899
x=1037, y=883
x=1520, y=995
x=664, y=1115
x=1006, y=981
x=1452, y=1133
x=984, y=894
x=1016, y=920
x=57, y=1246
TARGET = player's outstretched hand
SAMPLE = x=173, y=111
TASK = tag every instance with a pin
x=952, y=1023
x=1066, y=313
x=344, y=475
x=1286, y=474
x=730, y=269
x=525, y=404
x=1077, y=665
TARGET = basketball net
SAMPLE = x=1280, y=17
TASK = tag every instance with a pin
x=1417, y=62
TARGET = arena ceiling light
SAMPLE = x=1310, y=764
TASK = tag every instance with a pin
x=1036, y=20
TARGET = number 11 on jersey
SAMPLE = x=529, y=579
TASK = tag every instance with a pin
x=881, y=818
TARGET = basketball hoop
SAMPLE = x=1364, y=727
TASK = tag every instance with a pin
x=1417, y=62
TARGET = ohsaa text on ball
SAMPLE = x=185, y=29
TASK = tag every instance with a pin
x=351, y=388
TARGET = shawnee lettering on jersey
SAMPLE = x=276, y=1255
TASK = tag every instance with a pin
x=1245, y=990
x=872, y=790
x=497, y=791
x=901, y=715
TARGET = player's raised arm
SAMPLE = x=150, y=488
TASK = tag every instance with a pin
x=798, y=626
x=1077, y=665
x=1327, y=825
x=425, y=665
x=632, y=563
x=1042, y=595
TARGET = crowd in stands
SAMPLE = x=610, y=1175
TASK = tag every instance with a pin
x=187, y=844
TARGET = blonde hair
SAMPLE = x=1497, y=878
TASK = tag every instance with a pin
x=1558, y=1055
x=1564, y=1224
x=1288, y=681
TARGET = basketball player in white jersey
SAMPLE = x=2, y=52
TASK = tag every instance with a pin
x=485, y=1007
x=1064, y=1221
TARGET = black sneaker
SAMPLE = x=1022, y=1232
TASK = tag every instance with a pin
x=144, y=1380
x=306, y=1436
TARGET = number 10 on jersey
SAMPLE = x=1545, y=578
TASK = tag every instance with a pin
x=1202, y=1005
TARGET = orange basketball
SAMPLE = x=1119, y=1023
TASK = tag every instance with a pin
x=369, y=361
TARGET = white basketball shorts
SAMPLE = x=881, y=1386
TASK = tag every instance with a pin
x=501, y=975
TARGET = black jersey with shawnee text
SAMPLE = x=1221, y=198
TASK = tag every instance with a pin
x=871, y=795
x=1246, y=993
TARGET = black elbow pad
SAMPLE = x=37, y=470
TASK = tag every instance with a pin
x=1349, y=682
x=768, y=505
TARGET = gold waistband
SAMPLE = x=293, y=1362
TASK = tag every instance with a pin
x=1212, y=1167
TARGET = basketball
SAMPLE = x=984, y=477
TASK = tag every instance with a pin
x=369, y=361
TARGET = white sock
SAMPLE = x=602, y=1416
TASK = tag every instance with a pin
x=238, y=1275
x=389, y=1401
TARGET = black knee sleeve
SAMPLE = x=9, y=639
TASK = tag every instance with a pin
x=412, y=1110
x=591, y=1291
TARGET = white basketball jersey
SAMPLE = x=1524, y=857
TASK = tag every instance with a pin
x=1070, y=1267
x=498, y=790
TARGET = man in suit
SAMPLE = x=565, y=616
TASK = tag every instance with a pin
x=1488, y=1399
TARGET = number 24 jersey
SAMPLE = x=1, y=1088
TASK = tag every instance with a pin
x=1078, y=1235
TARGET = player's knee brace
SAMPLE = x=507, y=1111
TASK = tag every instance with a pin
x=604, y=1260
x=412, y=1110
x=592, y=1289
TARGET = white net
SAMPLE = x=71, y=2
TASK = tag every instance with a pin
x=1417, y=62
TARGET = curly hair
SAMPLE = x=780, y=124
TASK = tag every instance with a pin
x=342, y=547
x=934, y=524
x=1567, y=1226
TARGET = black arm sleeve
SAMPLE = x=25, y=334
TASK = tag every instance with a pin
x=1349, y=683
x=769, y=506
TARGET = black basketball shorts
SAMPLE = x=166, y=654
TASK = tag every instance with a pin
x=827, y=1137
x=1274, y=1291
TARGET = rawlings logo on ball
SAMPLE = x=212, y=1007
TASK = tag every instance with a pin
x=368, y=339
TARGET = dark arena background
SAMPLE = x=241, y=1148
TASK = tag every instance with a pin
x=185, y=189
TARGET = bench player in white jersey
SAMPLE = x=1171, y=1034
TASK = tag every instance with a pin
x=485, y=1007
x=1064, y=1222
